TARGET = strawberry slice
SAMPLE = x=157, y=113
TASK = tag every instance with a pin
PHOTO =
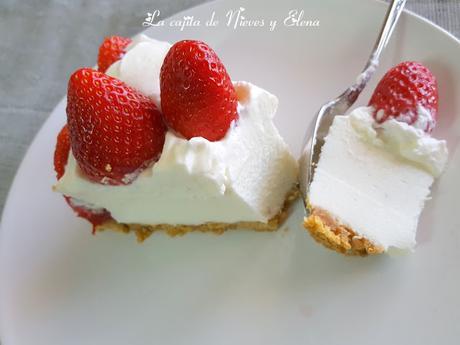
x=95, y=217
x=115, y=131
x=197, y=95
x=111, y=50
x=61, y=155
x=402, y=90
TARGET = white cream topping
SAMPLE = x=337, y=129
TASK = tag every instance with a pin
x=407, y=141
x=424, y=120
x=243, y=177
x=375, y=178
x=140, y=66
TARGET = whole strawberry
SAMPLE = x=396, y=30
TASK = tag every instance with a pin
x=402, y=90
x=197, y=95
x=111, y=50
x=61, y=155
x=115, y=131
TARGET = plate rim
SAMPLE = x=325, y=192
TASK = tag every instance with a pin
x=418, y=17
x=14, y=184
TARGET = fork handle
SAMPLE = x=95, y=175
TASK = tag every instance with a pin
x=391, y=18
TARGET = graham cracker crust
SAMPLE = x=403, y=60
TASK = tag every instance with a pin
x=328, y=231
x=143, y=231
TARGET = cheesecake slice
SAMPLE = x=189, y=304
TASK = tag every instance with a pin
x=377, y=166
x=204, y=178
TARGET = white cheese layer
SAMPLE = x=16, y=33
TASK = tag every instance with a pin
x=243, y=177
x=376, y=178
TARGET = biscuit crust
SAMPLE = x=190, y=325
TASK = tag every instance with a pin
x=143, y=231
x=328, y=231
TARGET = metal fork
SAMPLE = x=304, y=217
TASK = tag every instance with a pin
x=319, y=128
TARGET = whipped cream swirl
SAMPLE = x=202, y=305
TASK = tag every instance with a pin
x=409, y=142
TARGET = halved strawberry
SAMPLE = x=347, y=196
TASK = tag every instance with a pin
x=61, y=156
x=111, y=50
x=197, y=95
x=402, y=90
x=115, y=131
x=61, y=153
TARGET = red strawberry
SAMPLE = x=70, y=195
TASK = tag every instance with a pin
x=114, y=129
x=94, y=217
x=61, y=155
x=111, y=50
x=401, y=90
x=197, y=95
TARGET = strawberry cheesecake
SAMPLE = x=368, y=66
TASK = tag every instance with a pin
x=377, y=166
x=160, y=138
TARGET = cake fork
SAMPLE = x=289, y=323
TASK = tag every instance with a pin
x=319, y=127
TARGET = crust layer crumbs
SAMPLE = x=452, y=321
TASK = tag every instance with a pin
x=142, y=232
x=325, y=229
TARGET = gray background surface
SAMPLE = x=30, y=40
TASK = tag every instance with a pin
x=42, y=42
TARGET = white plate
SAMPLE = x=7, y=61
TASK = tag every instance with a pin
x=61, y=285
